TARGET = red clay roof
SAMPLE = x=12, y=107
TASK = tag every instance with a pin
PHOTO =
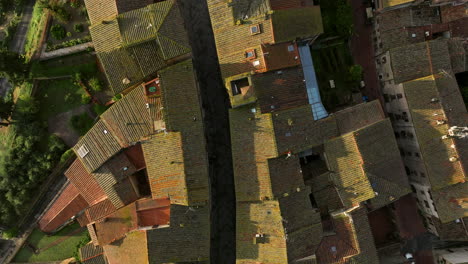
x=68, y=204
x=337, y=247
x=142, y=213
x=136, y=157
x=281, y=56
x=85, y=183
x=100, y=210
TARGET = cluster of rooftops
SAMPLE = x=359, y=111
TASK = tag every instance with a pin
x=304, y=181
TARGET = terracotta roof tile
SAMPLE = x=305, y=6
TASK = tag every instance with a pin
x=435, y=151
x=130, y=249
x=85, y=183
x=451, y=202
x=100, y=210
x=91, y=254
x=186, y=240
x=116, y=225
x=68, y=204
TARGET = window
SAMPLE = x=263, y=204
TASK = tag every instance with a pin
x=255, y=29
x=250, y=54
x=83, y=151
x=403, y=134
x=392, y=97
x=397, y=135
x=408, y=171
x=402, y=152
x=422, y=174
x=399, y=96
x=238, y=85
x=422, y=192
x=409, y=154
x=413, y=188
x=417, y=154
x=291, y=48
x=410, y=135
x=426, y=204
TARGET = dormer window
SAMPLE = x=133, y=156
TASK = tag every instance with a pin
x=250, y=54
x=255, y=29
x=83, y=151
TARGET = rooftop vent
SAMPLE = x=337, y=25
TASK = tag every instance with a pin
x=440, y=122
x=458, y=132
x=433, y=100
x=453, y=159
x=126, y=81
x=83, y=151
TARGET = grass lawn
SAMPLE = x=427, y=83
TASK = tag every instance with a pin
x=58, y=96
x=332, y=62
x=62, y=251
x=36, y=27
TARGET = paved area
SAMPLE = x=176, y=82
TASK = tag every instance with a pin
x=215, y=103
x=65, y=51
x=362, y=50
x=59, y=124
x=17, y=44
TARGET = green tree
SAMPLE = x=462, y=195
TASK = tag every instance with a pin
x=95, y=84
x=12, y=64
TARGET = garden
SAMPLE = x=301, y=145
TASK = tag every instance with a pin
x=62, y=245
x=337, y=76
x=69, y=25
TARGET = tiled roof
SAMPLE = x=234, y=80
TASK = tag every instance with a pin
x=435, y=151
x=253, y=142
x=382, y=162
x=182, y=111
x=278, y=168
x=450, y=13
x=113, y=179
x=358, y=116
x=451, y=231
x=325, y=193
x=348, y=175
x=99, y=10
x=419, y=60
x=68, y=204
x=336, y=248
x=165, y=167
x=295, y=129
x=279, y=92
x=101, y=146
x=126, y=122
x=187, y=239
x=296, y=23
x=100, y=210
x=130, y=249
x=451, y=202
x=129, y=119
x=91, y=254
x=85, y=183
x=362, y=231
x=400, y=18
x=138, y=43
x=116, y=225
x=366, y=164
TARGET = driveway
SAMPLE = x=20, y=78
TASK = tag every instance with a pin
x=17, y=43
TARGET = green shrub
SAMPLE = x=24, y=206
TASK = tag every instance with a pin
x=60, y=13
x=66, y=155
x=81, y=123
x=78, y=27
x=75, y=3
x=95, y=84
x=117, y=97
x=10, y=233
x=85, y=99
x=69, y=43
x=355, y=73
x=58, y=32
x=69, y=34
x=99, y=109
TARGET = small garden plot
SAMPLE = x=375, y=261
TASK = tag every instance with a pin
x=69, y=25
x=333, y=62
x=40, y=247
